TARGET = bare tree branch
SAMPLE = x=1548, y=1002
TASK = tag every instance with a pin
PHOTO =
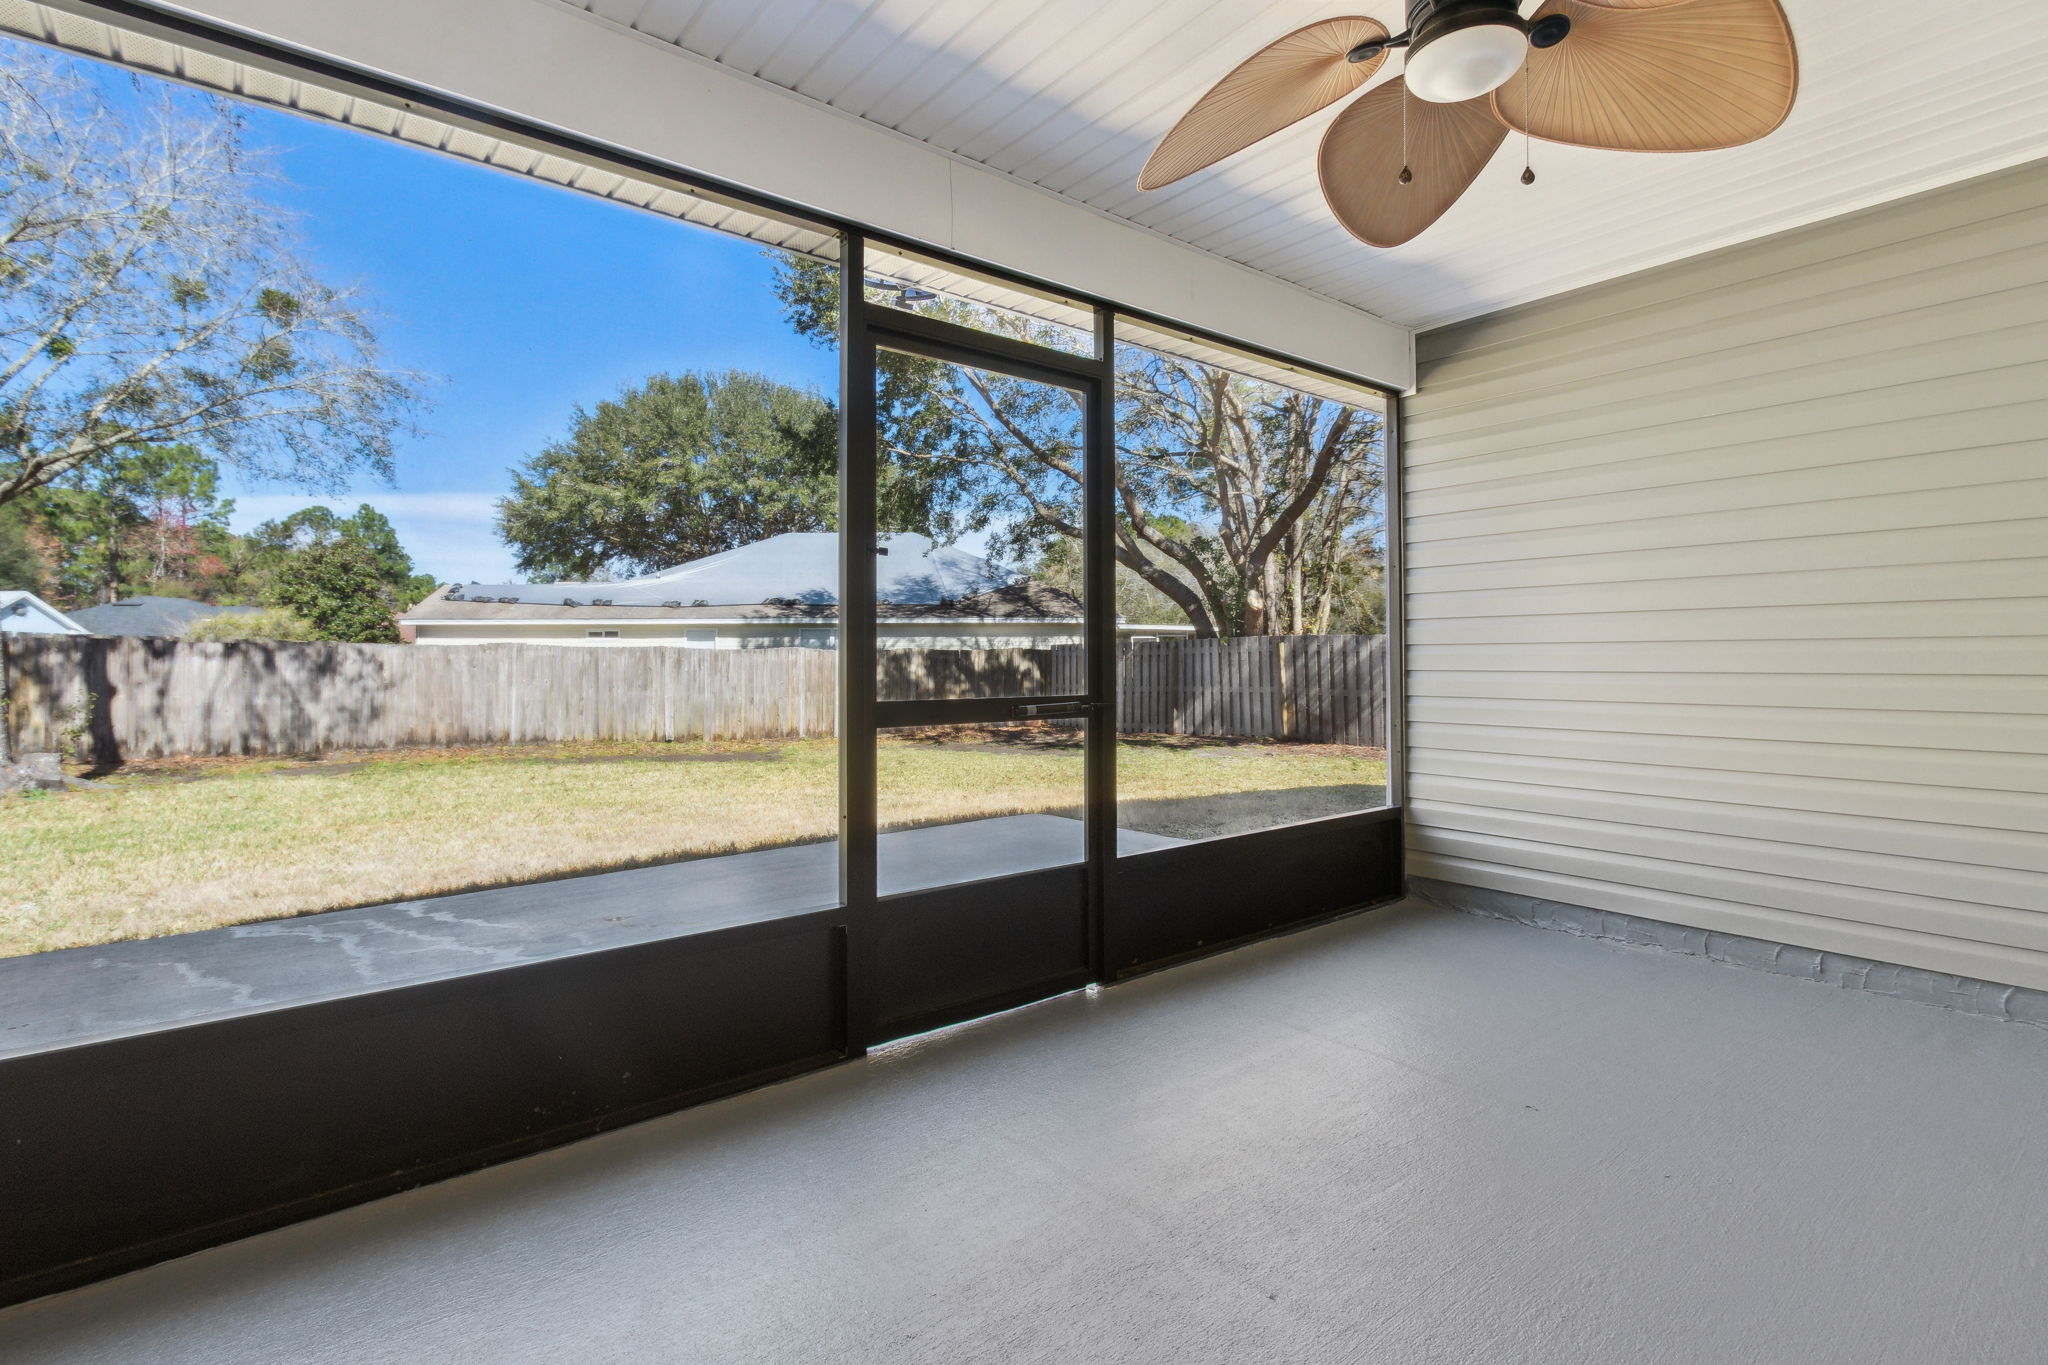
x=148, y=292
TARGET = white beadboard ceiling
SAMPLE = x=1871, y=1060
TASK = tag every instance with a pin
x=1070, y=95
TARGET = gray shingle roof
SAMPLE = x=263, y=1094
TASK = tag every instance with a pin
x=149, y=615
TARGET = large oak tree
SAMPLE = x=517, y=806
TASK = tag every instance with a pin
x=674, y=468
x=1253, y=507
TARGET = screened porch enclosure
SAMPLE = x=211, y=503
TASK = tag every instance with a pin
x=916, y=681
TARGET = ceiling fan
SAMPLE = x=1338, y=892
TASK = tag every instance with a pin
x=1623, y=75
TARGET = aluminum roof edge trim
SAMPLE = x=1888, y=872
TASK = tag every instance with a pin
x=816, y=623
x=561, y=69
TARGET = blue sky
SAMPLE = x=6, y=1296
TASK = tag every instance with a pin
x=522, y=300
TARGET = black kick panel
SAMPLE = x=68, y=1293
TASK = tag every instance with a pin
x=1176, y=902
x=959, y=951
x=118, y=1153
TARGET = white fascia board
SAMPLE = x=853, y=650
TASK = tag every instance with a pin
x=27, y=604
x=775, y=623
x=547, y=63
x=694, y=623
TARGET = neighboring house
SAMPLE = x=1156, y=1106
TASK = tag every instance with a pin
x=782, y=591
x=162, y=616
x=24, y=613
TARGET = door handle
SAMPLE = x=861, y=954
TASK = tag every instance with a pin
x=1049, y=709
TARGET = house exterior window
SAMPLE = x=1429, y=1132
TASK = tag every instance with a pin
x=701, y=639
x=600, y=635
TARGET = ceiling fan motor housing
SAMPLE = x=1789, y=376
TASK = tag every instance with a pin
x=1461, y=49
x=1429, y=20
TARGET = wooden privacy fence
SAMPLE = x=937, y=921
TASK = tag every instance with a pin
x=107, y=699
x=1316, y=689
x=949, y=674
x=153, y=698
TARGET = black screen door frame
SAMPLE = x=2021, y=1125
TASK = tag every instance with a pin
x=865, y=329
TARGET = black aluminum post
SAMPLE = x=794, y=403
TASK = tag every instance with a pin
x=1098, y=596
x=857, y=547
x=1396, y=570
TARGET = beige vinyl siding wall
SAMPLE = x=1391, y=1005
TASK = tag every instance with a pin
x=1728, y=589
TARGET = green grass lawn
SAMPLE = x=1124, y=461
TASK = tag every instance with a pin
x=174, y=846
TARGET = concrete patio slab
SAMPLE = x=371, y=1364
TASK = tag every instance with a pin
x=1411, y=1137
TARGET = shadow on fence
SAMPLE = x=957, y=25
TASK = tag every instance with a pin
x=1313, y=689
x=951, y=674
x=109, y=699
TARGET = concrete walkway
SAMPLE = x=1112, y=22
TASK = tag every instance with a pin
x=1408, y=1137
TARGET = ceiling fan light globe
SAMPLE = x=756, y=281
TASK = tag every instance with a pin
x=1466, y=63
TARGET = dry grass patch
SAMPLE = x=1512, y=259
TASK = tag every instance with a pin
x=193, y=844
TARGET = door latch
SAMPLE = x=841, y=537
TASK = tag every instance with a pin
x=1049, y=709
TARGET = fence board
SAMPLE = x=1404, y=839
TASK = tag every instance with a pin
x=113, y=698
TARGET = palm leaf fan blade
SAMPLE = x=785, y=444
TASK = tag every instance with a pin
x=1692, y=77
x=1280, y=84
x=1361, y=159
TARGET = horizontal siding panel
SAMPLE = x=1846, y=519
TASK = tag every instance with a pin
x=1961, y=337
x=1970, y=543
x=1825, y=393
x=1739, y=420
x=1961, y=731
x=1890, y=909
x=1859, y=938
x=2006, y=444
x=1985, y=261
x=1976, y=769
x=1942, y=221
x=1982, y=264
x=1825, y=692
x=1933, y=659
x=1851, y=621
x=2006, y=850
x=1714, y=493
x=2001, y=580
x=1921, y=879
x=1846, y=511
x=2021, y=812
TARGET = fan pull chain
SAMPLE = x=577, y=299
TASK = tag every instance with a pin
x=1406, y=175
x=1528, y=171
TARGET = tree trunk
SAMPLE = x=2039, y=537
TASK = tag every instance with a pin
x=1183, y=596
x=1296, y=605
x=1255, y=620
x=6, y=704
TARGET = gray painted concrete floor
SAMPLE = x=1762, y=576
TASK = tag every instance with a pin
x=1407, y=1137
